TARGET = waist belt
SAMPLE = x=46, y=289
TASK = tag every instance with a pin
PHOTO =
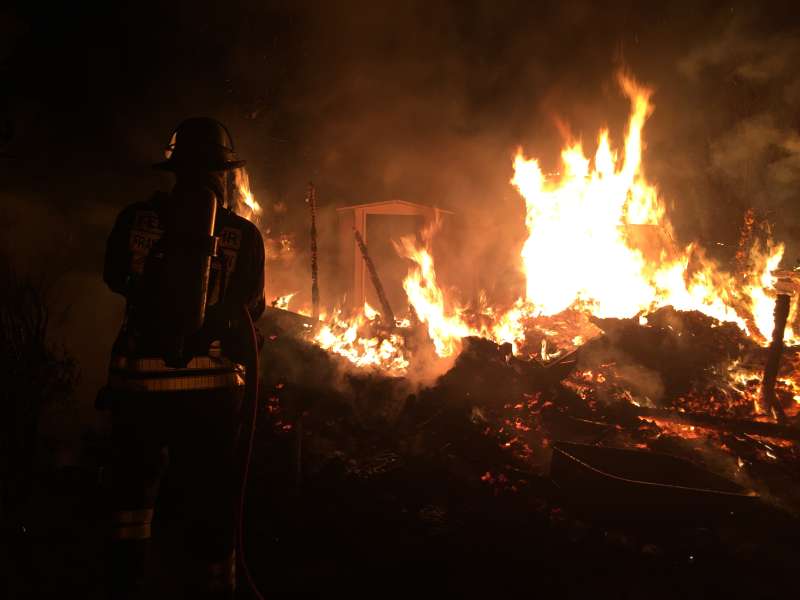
x=152, y=375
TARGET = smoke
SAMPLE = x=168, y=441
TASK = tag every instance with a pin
x=645, y=384
x=746, y=140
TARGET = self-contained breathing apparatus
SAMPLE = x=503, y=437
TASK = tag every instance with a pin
x=173, y=290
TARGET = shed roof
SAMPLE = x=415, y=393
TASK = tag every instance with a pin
x=404, y=204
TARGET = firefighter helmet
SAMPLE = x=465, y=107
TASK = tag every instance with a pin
x=200, y=143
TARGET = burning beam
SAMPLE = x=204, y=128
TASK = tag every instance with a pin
x=388, y=313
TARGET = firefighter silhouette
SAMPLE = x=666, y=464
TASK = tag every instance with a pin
x=186, y=264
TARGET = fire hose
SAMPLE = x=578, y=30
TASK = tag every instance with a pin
x=250, y=409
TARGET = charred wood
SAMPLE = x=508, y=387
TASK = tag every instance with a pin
x=771, y=405
x=737, y=426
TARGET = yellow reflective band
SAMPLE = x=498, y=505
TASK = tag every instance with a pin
x=153, y=375
x=175, y=384
x=158, y=364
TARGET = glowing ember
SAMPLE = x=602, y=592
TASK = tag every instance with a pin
x=282, y=302
x=370, y=312
x=360, y=340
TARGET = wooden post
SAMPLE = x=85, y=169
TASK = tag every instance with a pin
x=770, y=403
x=311, y=199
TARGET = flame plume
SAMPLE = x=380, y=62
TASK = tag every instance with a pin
x=590, y=213
x=599, y=243
x=446, y=327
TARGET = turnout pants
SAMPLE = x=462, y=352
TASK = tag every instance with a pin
x=193, y=434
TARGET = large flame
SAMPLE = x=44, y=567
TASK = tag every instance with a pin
x=600, y=241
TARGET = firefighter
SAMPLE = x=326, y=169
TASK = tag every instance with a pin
x=186, y=265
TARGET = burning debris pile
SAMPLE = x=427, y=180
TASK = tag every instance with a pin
x=616, y=258
x=477, y=459
x=621, y=338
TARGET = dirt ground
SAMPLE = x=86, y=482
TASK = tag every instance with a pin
x=391, y=524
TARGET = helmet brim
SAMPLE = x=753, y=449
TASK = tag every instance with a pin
x=173, y=165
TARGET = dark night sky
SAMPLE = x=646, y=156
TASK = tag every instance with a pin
x=425, y=101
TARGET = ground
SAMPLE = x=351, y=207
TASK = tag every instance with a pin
x=392, y=524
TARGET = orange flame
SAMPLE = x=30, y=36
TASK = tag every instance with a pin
x=582, y=250
x=599, y=243
x=446, y=328
x=253, y=208
x=282, y=302
x=356, y=340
